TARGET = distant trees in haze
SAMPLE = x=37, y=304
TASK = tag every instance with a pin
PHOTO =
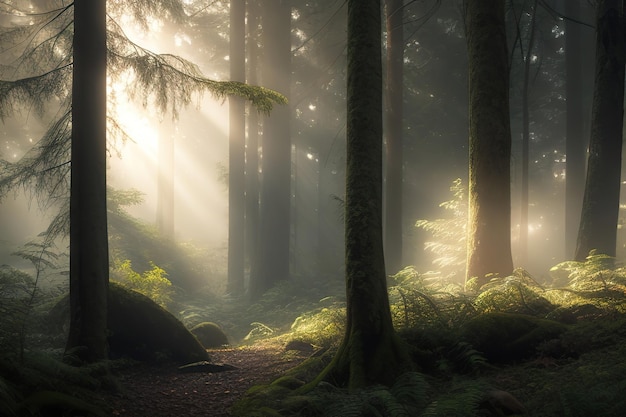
x=301, y=55
x=271, y=263
x=171, y=79
x=236, y=152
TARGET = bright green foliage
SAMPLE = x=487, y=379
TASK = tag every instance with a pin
x=518, y=293
x=599, y=281
x=152, y=283
x=449, y=235
x=322, y=327
x=422, y=300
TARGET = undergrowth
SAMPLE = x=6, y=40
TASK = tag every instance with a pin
x=554, y=379
x=578, y=372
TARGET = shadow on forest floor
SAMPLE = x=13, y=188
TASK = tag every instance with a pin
x=558, y=349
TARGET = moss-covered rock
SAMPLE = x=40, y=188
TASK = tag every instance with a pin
x=138, y=328
x=210, y=335
x=505, y=337
x=143, y=330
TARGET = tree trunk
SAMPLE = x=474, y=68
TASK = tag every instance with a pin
x=598, y=223
x=252, y=146
x=393, y=136
x=371, y=352
x=489, y=223
x=89, y=257
x=576, y=115
x=275, y=191
x=236, y=153
x=524, y=201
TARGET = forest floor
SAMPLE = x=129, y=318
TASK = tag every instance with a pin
x=163, y=391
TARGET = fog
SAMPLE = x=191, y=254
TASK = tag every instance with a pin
x=201, y=155
x=435, y=143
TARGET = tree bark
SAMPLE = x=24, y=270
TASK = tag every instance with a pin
x=393, y=135
x=598, y=223
x=371, y=352
x=89, y=258
x=275, y=191
x=489, y=224
x=576, y=115
x=236, y=153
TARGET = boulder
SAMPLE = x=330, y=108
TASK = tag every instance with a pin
x=210, y=335
x=138, y=328
x=143, y=330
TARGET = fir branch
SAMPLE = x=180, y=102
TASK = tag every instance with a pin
x=34, y=91
x=40, y=43
x=172, y=81
x=44, y=167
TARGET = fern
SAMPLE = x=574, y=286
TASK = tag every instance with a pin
x=448, y=244
x=404, y=399
x=411, y=388
x=517, y=293
x=259, y=330
x=463, y=401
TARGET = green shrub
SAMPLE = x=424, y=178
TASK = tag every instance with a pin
x=152, y=283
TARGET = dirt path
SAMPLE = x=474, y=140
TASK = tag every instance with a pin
x=165, y=392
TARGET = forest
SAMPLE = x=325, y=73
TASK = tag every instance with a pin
x=312, y=208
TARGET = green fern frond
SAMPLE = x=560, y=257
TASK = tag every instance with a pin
x=463, y=401
x=411, y=388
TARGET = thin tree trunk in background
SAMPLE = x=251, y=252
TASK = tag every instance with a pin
x=165, y=184
x=89, y=253
x=272, y=259
x=393, y=136
x=575, y=127
x=371, y=352
x=252, y=146
x=236, y=153
x=489, y=221
x=524, y=203
x=598, y=222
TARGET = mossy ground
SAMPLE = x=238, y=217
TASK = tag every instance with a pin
x=574, y=369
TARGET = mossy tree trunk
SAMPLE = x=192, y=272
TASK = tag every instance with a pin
x=236, y=153
x=371, y=352
x=598, y=222
x=89, y=257
x=393, y=135
x=489, y=222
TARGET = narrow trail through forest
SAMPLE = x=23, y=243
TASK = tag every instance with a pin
x=163, y=391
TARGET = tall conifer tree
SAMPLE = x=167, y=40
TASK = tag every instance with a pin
x=489, y=224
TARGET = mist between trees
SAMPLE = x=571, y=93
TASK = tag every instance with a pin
x=231, y=150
